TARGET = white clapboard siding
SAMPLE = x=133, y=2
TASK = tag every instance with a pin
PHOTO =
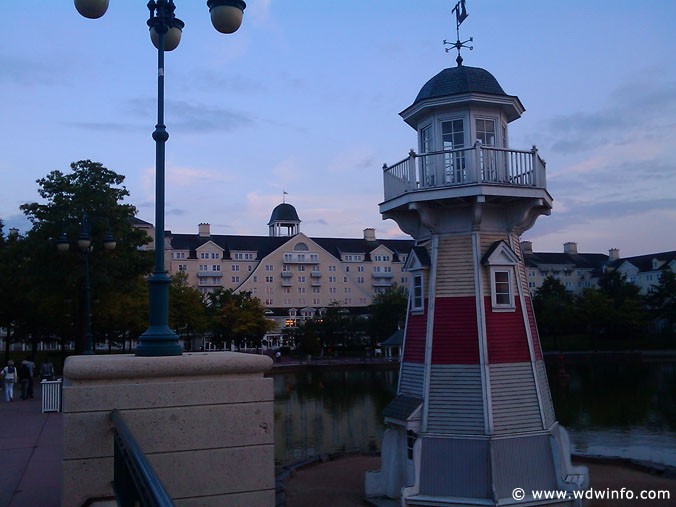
x=455, y=403
x=455, y=266
x=545, y=393
x=412, y=378
x=514, y=398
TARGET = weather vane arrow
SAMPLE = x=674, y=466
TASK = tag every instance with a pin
x=460, y=15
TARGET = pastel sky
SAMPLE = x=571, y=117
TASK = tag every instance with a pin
x=305, y=99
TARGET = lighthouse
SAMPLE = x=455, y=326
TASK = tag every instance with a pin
x=472, y=422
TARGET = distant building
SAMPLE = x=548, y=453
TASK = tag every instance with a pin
x=579, y=271
x=295, y=276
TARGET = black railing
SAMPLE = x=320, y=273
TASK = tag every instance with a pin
x=134, y=479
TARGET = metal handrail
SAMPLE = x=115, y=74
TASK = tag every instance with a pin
x=134, y=478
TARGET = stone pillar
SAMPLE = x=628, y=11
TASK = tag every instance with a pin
x=204, y=421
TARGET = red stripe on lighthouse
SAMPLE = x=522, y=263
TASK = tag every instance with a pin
x=506, y=335
x=414, y=341
x=455, y=337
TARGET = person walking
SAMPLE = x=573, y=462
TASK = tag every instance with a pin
x=24, y=379
x=9, y=375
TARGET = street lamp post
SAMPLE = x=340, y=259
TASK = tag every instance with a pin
x=165, y=33
x=84, y=243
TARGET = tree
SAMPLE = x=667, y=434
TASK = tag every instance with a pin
x=187, y=312
x=13, y=304
x=554, y=309
x=629, y=317
x=237, y=317
x=661, y=299
x=387, y=313
x=56, y=280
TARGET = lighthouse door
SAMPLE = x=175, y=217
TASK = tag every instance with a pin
x=453, y=140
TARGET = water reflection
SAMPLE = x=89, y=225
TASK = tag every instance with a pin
x=617, y=408
x=612, y=408
x=328, y=411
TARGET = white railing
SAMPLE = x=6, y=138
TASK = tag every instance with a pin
x=464, y=166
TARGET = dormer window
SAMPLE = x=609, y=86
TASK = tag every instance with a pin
x=417, y=298
x=502, y=262
x=502, y=293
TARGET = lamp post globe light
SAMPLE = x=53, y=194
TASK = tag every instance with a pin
x=165, y=33
x=84, y=243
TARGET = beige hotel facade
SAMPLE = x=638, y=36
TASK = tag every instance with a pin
x=295, y=276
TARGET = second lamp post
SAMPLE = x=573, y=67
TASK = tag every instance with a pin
x=84, y=243
x=165, y=33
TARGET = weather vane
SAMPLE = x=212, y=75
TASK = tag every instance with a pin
x=460, y=16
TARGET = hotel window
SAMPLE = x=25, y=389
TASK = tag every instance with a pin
x=417, y=292
x=502, y=292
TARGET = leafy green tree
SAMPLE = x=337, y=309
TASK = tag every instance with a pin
x=13, y=302
x=56, y=279
x=554, y=309
x=661, y=299
x=629, y=316
x=596, y=313
x=387, y=313
x=237, y=317
x=187, y=312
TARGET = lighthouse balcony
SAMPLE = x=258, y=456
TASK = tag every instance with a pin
x=486, y=166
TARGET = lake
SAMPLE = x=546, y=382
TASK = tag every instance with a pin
x=615, y=408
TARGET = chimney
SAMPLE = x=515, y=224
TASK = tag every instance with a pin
x=527, y=248
x=370, y=234
x=570, y=248
x=204, y=230
x=613, y=254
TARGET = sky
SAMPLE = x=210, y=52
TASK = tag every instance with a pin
x=305, y=99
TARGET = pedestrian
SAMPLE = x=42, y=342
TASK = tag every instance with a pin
x=47, y=370
x=24, y=379
x=31, y=367
x=9, y=375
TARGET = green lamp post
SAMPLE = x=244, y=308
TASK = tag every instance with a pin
x=84, y=243
x=165, y=33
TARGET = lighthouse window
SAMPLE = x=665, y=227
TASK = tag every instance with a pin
x=485, y=132
x=502, y=294
x=417, y=292
x=453, y=138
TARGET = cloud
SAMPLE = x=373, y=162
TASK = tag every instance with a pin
x=633, y=112
x=193, y=118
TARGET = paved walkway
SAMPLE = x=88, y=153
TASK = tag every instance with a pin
x=31, y=449
x=340, y=483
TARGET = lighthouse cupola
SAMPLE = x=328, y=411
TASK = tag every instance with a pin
x=464, y=162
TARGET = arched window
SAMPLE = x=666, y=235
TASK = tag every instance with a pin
x=300, y=247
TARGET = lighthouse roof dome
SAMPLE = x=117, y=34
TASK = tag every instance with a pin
x=457, y=87
x=460, y=80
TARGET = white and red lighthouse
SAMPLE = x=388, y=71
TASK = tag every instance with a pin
x=473, y=419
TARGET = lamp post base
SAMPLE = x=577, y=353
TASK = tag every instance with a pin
x=159, y=339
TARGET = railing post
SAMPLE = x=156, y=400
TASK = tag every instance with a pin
x=413, y=179
x=478, y=171
x=536, y=167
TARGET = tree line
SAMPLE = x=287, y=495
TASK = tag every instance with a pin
x=614, y=312
x=41, y=288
